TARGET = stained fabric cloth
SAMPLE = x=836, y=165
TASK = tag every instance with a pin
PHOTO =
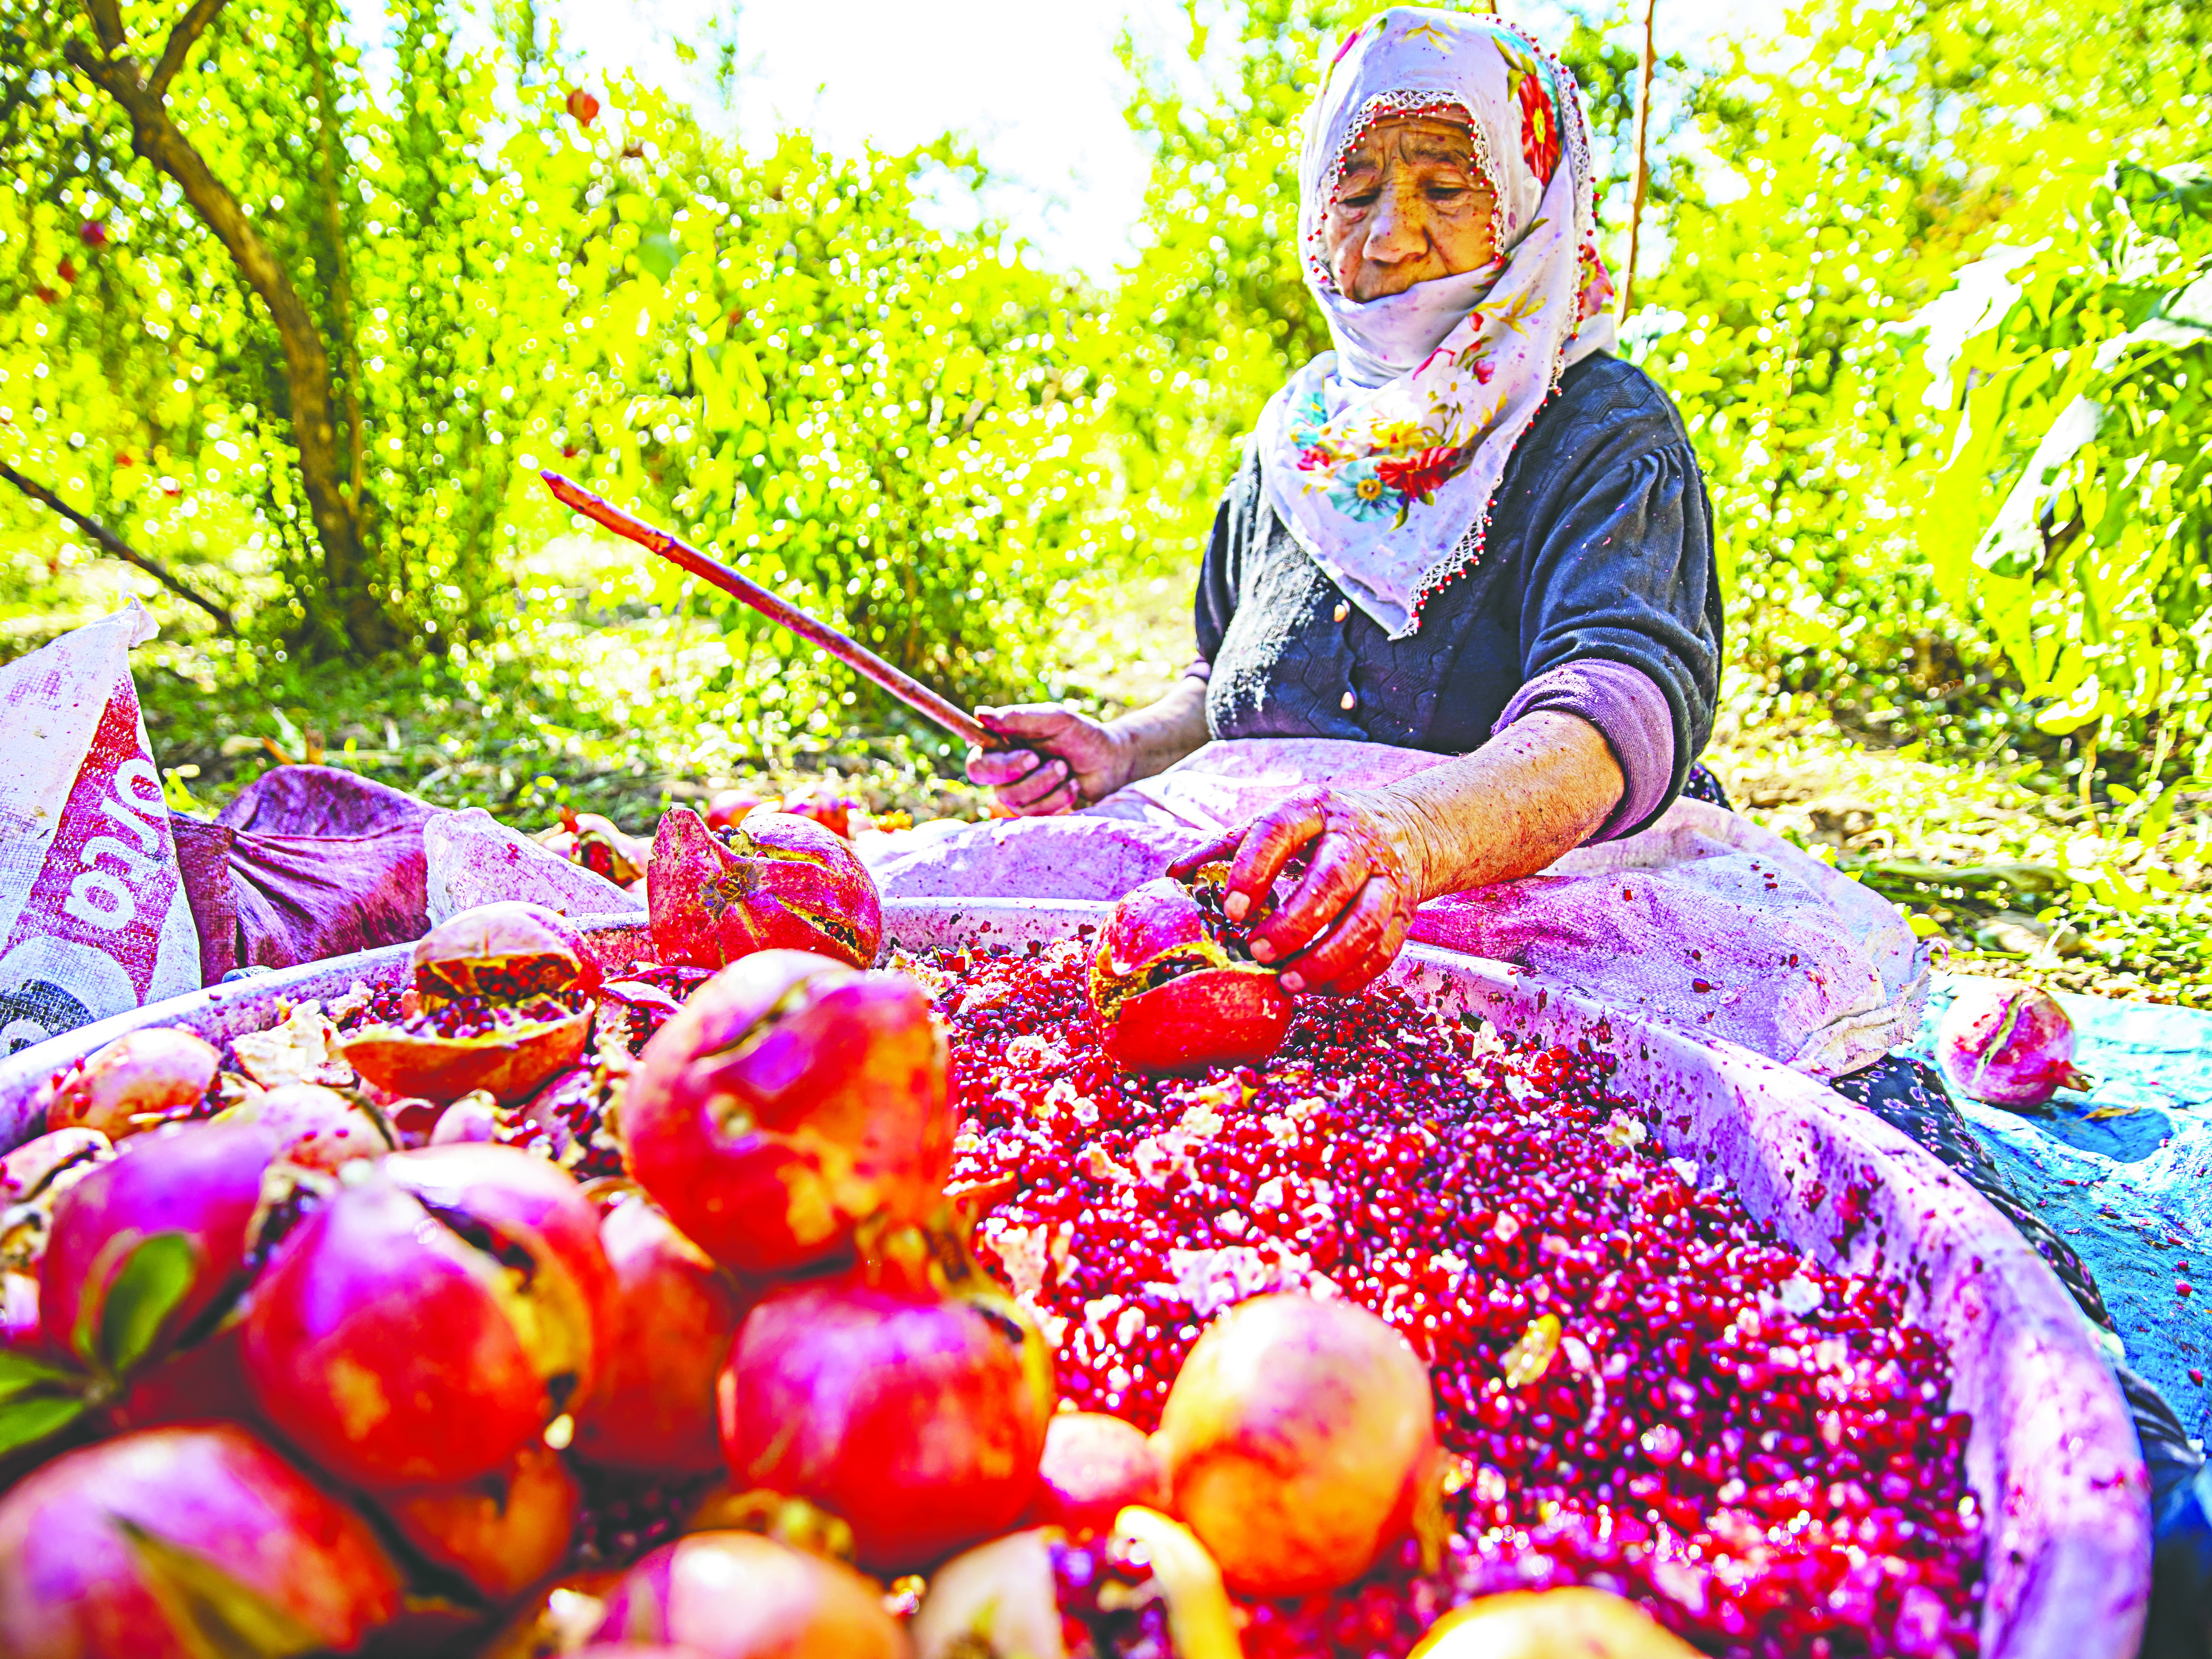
x=1909, y=1095
x=1600, y=548
x=306, y=862
x=1385, y=455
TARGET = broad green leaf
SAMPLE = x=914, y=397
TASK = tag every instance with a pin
x=27, y=1420
x=19, y=1372
x=140, y=1298
x=219, y=1617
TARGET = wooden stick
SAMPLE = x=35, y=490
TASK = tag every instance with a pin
x=1642, y=174
x=855, y=655
x=121, y=548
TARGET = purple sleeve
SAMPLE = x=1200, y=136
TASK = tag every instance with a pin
x=1628, y=711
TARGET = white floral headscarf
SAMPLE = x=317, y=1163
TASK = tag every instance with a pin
x=1383, y=455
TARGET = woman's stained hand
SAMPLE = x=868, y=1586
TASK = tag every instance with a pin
x=1065, y=761
x=1347, y=919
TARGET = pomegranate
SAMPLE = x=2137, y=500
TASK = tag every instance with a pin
x=503, y=1533
x=674, y=1317
x=1173, y=988
x=773, y=881
x=791, y=1099
x=582, y=107
x=502, y=1001
x=599, y=845
x=189, y=1189
x=824, y=806
x=728, y=806
x=171, y=1543
x=1095, y=1466
x=737, y=1595
x=1147, y=1586
x=1539, y=1623
x=202, y=1384
x=916, y=1416
x=2008, y=1044
x=473, y=1117
x=1299, y=1439
x=140, y=1080
x=403, y=1340
x=33, y=1178
x=559, y=1619
x=313, y=1126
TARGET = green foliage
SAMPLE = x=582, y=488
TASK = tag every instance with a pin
x=2082, y=439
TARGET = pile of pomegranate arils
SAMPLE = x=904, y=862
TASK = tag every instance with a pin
x=546, y=1305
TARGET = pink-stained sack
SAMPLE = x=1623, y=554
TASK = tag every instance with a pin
x=1703, y=923
x=93, y=919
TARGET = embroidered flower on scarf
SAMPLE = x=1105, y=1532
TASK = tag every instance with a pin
x=1357, y=491
x=1539, y=123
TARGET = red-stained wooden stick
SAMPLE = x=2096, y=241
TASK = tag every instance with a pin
x=855, y=655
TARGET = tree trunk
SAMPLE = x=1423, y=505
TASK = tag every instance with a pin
x=331, y=502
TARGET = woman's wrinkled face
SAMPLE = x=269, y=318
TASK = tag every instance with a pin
x=1411, y=205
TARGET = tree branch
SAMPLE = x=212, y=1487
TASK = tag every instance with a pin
x=194, y=24
x=122, y=550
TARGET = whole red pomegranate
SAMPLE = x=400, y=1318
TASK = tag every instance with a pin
x=1300, y=1443
x=582, y=107
x=134, y=1083
x=502, y=1533
x=1588, y=1624
x=314, y=1127
x=916, y=1416
x=2008, y=1044
x=1094, y=1467
x=192, y=1186
x=728, y=806
x=793, y=1097
x=503, y=995
x=737, y=1595
x=414, y=1330
x=771, y=882
x=145, y=1544
x=674, y=1317
x=1145, y=1585
x=1173, y=988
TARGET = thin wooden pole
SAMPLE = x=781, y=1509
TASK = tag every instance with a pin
x=1643, y=174
x=122, y=550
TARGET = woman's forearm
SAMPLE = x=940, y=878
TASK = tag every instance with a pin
x=1154, y=738
x=1537, y=790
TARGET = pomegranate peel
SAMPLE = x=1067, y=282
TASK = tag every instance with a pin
x=141, y=1079
x=314, y=1124
x=1094, y=1467
x=33, y=1178
x=791, y=1099
x=1171, y=993
x=736, y=1596
x=1539, y=1623
x=505, y=953
x=599, y=845
x=502, y=1534
x=508, y=1052
x=771, y=881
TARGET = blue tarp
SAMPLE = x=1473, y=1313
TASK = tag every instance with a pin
x=2124, y=1174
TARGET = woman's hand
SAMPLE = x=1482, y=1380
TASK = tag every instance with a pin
x=1347, y=920
x=1066, y=760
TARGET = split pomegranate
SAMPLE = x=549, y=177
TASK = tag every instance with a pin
x=502, y=1533
x=1094, y=1467
x=674, y=1317
x=916, y=1416
x=2008, y=1044
x=311, y=1126
x=401, y=1339
x=792, y=1098
x=33, y=1178
x=1175, y=988
x=773, y=881
x=503, y=995
x=1295, y=1438
x=1538, y=1625
x=142, y=1078
x=196, y=1182
x=1147, y=1587
x=146, y=1544
x=737, y=1595
x=1639, y=1384
x=599, y=845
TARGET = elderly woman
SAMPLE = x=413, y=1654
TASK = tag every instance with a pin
x=1469, y=529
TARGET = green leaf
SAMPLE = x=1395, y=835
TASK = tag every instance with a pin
x=27, y=1422
x=19, y=1374
x=141, y=1295
x=218, y=1617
